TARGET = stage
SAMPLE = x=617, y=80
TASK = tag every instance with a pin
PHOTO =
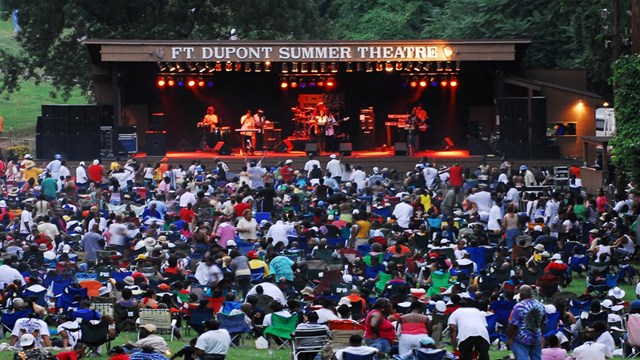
x=367, y=159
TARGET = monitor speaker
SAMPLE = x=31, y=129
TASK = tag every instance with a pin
x=311, y=148
x=222, y=148
x=156, y=144
x=157, y=122
x=346, y=149
x=400, y=148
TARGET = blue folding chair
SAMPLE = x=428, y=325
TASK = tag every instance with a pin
x=9, y=319
x=262, y=216
x=478, y=256
x=257, y=275
x=333, y=242
x=197, y=318
x=244, y=247
x=577, y=307
x=350, y=356
x=502, y=309
x=551, y=328
x=579, y=264
x=37, y=297
x=235, y=325
x=119, y=276
x=65, y=300
x=429, y=354
x=384, y=213
x=229, y=306
x=364, y=249
x=57, y=287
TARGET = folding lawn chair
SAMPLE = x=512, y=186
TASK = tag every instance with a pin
x=351, y=356
x=236, y=326
x=429, y=354
x=281, y=327
x=161, y=318
x=197, y=318
x=104, y=308
x=94, y=334
x=229, y=306
x=125, y=317
x=9, y=319
x=342, y=330
x=438, y=280
x=308, y=341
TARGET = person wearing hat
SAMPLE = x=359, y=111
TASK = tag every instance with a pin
x=214, y=343
x=334, y=166
x=69, y=331
x=96, y=172
x=403, y=213
x=590, y=349
x=31, y=325
x=287, y=171
x=149, y=338
x=259, y=269
x=29, y=350
x=427, y=346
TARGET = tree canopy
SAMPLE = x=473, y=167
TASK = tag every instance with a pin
x=565, y=33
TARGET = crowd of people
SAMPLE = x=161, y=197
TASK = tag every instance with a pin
x=438, y=259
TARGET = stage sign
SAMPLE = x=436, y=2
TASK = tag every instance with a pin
x=331, y=51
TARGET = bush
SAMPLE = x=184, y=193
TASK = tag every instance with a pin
x=18, y=151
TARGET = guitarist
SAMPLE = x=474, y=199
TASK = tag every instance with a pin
x=330, y=133
x=421, y=118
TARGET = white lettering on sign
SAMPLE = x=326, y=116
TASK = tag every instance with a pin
x=304, y=53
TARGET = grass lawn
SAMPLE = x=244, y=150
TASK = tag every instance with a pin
x=21, y=109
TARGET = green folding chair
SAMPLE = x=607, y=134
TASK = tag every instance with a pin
x=438, y=280
x=383, y=279
x=281, y=327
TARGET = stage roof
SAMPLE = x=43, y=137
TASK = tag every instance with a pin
x=292, y=51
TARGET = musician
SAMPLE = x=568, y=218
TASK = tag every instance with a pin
x=258, y=123
x=421, y=117
x=320, y=117
x=247, y=123
x=330, y=133
x=210, y=119
x=416, y=124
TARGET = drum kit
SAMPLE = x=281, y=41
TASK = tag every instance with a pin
x=305, y=122
x=211, y=135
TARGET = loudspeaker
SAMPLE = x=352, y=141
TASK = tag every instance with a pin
x=56, y=111
x=83, y=147
x=284, y=146
x=47, y=146
x=50, y=126
x=83, y=127
x=345, y=149
x=272, y=138
x=478, y=147
x=222, y=148
x=157, y=122
x=311, y=148
x=400, y=148
x=156, y=144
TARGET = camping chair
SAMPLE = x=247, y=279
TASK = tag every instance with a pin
x=502, y=309
x=579, y=264
x=350, y=356
x=548, y=285
x=229, y=306
x=341, y=331
x=92, y=286
x=383, y=279
x=36, y=297
x=236, y=326
x=492, y=328
x=551, y=327
x=577, y=307
x=259, y=216
x=9, y=319
x=257, y=275
x=197, y=318
x=314, y=268
x=94, y=335
x=65, y=300
x=161, y=318
x=349, y=254
x=308, y=341
x=125, y=317
x=119, y=276
x=438, y=280
x=281, y=327
x=244, y=247
x=519, y=251
x=439, y=324
x=363, y=249
x=429, y=354
x=104, y=308
x=329, y=277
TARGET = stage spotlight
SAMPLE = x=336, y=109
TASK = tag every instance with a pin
x=320, y=82
x=439, y=66
x=334, y=67
x=193, y=68
x=171, y=82
x=413, y=83
x=179, y=67
x=161, y=82
x=388, y=66
x=399, y=66
x=210, y=83
x=162, y=66
x=444, y=83
x=285, y=68
x=423, y=82
x=369, y=67
x=294, y=84
x=228, y=66
x=457, y=65
x=201, y=83
x=349, y=67
x=379, y=66
x=202, y=67
x=180, y=83
x=330, y=82
x=284, y=84
x=434, y=83
x=359, y=66
x=267, y=66
x=605, y=104
x=257, y=66
x=453, y=83
x=303, y=85
x=304, y=67
x=238, y=66
x=312, y=83
x=417, y=66
x=314, y=67
x=247, y=67
x=191, y=83
x=408, y=66
x=294, y=67
x=215, y=67
x=448, y=66
x=172, y=67
x=323, y=67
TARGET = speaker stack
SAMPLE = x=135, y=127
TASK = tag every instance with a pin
x=156, y=136
x=70, y=130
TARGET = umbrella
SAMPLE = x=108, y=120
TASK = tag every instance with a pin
x=271, y=290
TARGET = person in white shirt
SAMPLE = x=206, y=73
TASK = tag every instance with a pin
x=495, y=217
x=9, y=274
x=471, y=334
x=214, y=343
x=26, y=220
x=590, y=350
x=30, y=326
x=483, y=201
x=276, y=309
x=308, y=166
x=603, y=335
x=403, y=212
x=356, y=348
x=187, y=198
x=208, y=273
x=334, y=167
x=529, y=178
x=430, y=174
x=82, y=180
x=279, y=232
x=359, y=178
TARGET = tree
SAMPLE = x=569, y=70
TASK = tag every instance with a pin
x=626, y=143
x=52, y=30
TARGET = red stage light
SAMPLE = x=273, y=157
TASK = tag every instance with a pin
x=171, y=82
x=191, y=83
x=423, y=83
x=453, y=83
x=294, y=85
x=284, y=84
x=413, y=83
x=161, y=82
x=443, y=83
x=201, y=83
x=330, y=83
x=320, y=82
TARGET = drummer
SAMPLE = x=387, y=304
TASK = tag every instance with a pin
x=210, y=119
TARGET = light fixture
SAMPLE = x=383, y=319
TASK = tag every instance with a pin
x=180, y=67
x=605, y=104
x=369, y=67
x=453, y=83
x=210, y=83
x=303, y=85
x=191, y=83
x=304, y=67
x=443, y=83
x=202, y=68
x=257, y=66
x=433, y=81
x=334, y=67
x=408, y=66
x=323, y=67
x=228, y=66
x=414, y=82
x=330, y=82
x=417, y=66
x=247, y=67
x=349, y=67
x=359, y=66
x=312, y=82
x=320, y=82
x=314, y=67
x=285, y=68
x=171, y=82
x=399, y=66
x=237, y=66
x=439, y=66
x=423, y=82
x=193, y=67
x=294, y=67
x=172, y=67
x=201, y=82
x=388, y=66
x=448, y=51
x=161, y=82
x=162, y=66
x=448, y=66
x=379, y=66
x=267, y=66
x=293, y=84
x=457, y=66
x=180, y=82
x=580, y=103
x=283, y=83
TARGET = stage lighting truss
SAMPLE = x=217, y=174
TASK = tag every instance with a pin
x=433, y=79
x=303, y=81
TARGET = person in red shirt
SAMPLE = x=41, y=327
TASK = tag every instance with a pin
x=240, y=207
x=455, y=175
x=96, y=172
x=187, y=214
x=117, y=353
x=287, y=171
x=75, y=354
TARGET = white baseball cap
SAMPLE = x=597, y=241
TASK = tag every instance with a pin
x=27, y=340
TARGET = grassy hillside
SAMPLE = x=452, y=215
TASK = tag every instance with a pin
x=21, y=109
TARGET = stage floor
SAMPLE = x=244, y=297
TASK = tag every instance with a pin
x=367, y=159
